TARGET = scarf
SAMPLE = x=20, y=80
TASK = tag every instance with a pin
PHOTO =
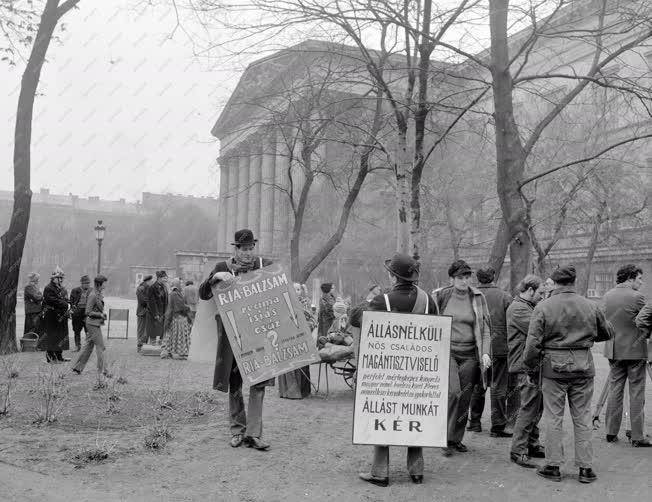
x=242, y=267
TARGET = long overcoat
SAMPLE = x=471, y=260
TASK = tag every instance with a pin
x=225, y=360
x=54, y=325
x=157, y=304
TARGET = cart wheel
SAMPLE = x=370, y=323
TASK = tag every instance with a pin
x=348, y=372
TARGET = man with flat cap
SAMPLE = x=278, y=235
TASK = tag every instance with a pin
x=562, y=331
x=141, y=312
x=157, y=304
x=227, y=377
x=78, y=298
x=405, y=296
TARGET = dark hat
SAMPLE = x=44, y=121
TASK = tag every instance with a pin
x=404, y=267
x=564, y=275
x=189, y=283
x=100, y=279
x=147, y=278
x=243, y=237
x=161, y=273
x=459, y=268
x=485, y=275
x=85, y=279
x=326, y=287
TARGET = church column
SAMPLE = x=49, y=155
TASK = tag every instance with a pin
x=267, y=196
x=243, y=188
x=282, y=206
x=223, y=216
x=254, y=192
x=232, y=202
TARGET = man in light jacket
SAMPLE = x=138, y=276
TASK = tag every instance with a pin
x=627, y=354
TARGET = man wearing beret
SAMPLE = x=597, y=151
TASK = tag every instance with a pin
x=227, y=377
x=78, y=298
x=562, y=331
x=141, y=312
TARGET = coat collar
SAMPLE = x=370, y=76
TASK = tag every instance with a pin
x=563, y=289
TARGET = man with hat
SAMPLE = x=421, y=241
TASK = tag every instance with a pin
x=141, y=311
x=157, y=304
x=227, y=377
x=562, y=331
x=78, y=298
x=405, y=297
x=33, y=298
x=55, y=319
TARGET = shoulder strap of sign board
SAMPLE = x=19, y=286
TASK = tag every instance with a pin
x=389, y=308
x=260, y=262
x=422, y=303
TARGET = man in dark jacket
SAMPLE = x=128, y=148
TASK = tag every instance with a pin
x=56, y=310
x=504, y=399
x=33, y=298
x=562, y=331
x=406, y=297
x=141, y=312
x=227, y=377
x=326, y=316
x=78, y=298
x=157, y=304
x=627, y=354
x=525, y=444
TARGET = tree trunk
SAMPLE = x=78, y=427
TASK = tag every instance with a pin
x=510, y=155
x=403, y=167
x=583, y=283
x=499, y=248
x=13, y=240
x=299, y=213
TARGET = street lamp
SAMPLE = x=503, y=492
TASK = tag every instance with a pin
x=99, y=235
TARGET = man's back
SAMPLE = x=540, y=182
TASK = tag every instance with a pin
x=497, y=301
x=622, y=304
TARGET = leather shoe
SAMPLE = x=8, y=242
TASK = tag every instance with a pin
x=75, y=370
x=256, y=443
x=587, y=475
x=501, y=434
x=612, y=438
x=447, y=451
x=417, y=479
x=522, y=460
x=474, y=428
x=236, y=440
x=460, y=447
x=536, y=452
x=549, y=472
x=374, y=480
x=641, y=443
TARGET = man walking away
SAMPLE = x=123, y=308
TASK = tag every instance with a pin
x=33, y=298
x=561, y=333
x=141, y=312
x=504, y=399
x=525, y=444
x=627, y=354
x=78, y=298
x=157, y=304
x=326, y=316
x=190, y=297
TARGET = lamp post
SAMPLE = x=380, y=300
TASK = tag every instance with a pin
x=99, y=235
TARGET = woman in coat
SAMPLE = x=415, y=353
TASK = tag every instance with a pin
x=177, y=325
x=54, y=339
x=33, y=298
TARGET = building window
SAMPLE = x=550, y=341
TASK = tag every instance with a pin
x=603, y=283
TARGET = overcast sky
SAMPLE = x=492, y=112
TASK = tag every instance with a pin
x=124, y=108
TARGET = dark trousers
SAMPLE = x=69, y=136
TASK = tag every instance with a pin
x=504, y=396
x=253, y=426
x=621, y=371
x=464, y=372
x=380, y=465
x=141, y=330
x=53, y=355
x=32, y=323
x=526, y=429
x=78, y=323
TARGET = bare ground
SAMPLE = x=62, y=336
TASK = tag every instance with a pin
x=311, y=457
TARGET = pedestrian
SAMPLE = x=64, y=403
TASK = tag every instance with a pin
x=157, y=304
x=525, y=444
x=504, y=398
x=405, y=296
x=95, y=318
x=54, y=319
x=141, y=312
x=470, y=347
x=296, y=384
x=177, y=325
x=326, y=316
x=78, y=298
x=33, y=299
x=190, y=298
x=227, y=377
x=562, y=331
x=627, y=355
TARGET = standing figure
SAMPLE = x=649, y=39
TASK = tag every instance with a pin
x=157, y=304
x=78, y=298
x=55, y=319
x=177, y=325
x=227, y=377
x=504, y=399
x=562, y=331
x=141, y=312
x=33, y=298
x=470, y=347
x=190, y=297
x=404, y=297
x=627, y=355
x=326, y=316
x=95, y=318
x=525, y=444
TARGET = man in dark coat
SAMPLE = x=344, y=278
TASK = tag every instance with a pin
x=157, y=304
x=627, y=355
x=562, y=331
x=141, y=312
x=326, y=315
x=525, y=444
x=33, y=298
x=55, y=319
x=504, y=399
x=227, y=377
x=406, y=297
x=78, y=298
